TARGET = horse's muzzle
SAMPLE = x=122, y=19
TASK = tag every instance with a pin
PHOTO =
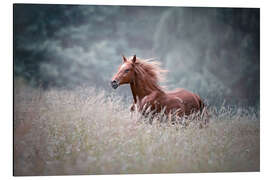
x=114, y=84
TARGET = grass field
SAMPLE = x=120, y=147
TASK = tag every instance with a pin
x=60, y=132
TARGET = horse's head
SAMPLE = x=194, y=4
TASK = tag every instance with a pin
x=125, y=73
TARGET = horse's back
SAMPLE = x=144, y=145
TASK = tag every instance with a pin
x=191, y=100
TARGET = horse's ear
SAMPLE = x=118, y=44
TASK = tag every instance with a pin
x=124, y=59
x=134, y=59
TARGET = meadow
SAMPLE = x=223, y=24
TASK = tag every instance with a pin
x=89, y=131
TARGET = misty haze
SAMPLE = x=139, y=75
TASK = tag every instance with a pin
x=69, y=120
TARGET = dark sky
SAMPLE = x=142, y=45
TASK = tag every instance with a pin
x=211, y=51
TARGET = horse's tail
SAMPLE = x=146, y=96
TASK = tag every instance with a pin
x=201, y=105
x=204, y=112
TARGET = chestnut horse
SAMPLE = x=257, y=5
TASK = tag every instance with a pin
x=143, y=77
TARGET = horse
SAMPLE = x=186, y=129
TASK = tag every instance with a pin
x=144, y=76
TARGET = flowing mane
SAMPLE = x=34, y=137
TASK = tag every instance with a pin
x=150, y=73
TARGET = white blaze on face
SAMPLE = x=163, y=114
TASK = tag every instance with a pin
x=123, y=66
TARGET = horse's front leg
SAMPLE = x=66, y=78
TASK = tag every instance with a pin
x=132, y=107
x=148, y=103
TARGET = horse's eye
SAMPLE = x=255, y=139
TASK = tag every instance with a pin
x=127, y=70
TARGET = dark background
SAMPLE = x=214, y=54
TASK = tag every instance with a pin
x=214, y=52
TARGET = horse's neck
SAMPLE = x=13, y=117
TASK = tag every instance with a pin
x=139, y=90
x=134, y=92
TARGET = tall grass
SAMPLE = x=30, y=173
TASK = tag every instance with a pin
x=60, y=132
